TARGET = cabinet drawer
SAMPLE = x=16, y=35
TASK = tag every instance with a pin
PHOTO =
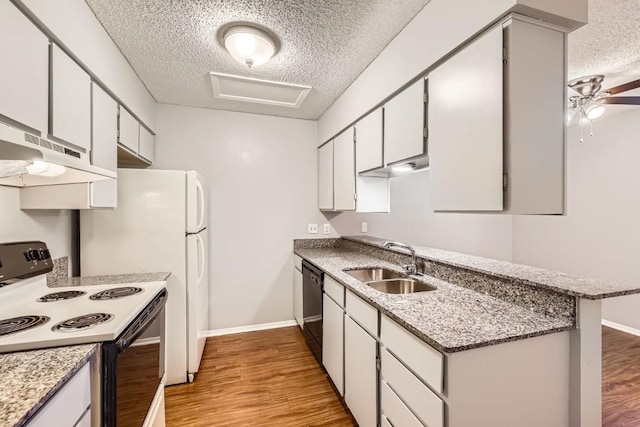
x=394, y=410
x=335, y=290
x=423, y=359
x=422, y=401
x=69, y=404
x=297, y=261
x=363, y=313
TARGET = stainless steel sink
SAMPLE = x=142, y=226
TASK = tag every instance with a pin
x=400, y=286
x=389, y=281
x=374, y=274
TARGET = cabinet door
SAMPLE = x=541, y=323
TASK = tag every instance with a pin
x=369, y=142
x=297, y=296
x=24, y=74
x=404, y=124
x=104, y=146
x=70, y=100
x=466, y=128
x=129, y=131
x=325, y=176
x=147, y=144
x=360, y=375
x=344, y=174
x=332, y=341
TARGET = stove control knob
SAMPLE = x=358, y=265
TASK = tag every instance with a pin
x=44, y=254
x=32, y=255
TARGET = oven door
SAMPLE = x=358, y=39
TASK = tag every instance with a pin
x=134, y=368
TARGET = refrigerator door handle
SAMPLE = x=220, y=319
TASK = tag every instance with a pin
x=201, y=205
x=201, y=259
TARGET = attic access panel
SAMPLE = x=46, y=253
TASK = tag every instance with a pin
x=246, y=89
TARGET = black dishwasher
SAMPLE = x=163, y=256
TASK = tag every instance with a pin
x=312, y=279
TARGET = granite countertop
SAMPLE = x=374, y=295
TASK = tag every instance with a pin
x=28, y=379
x=532, y=276
x=451, y=318
x=111, y=279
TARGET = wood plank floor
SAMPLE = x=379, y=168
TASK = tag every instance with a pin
x=270, y=378
x=620, y=379
x=266, y=378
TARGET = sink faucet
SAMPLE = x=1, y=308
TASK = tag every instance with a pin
x=409, y=268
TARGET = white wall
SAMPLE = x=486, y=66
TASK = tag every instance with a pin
x=50, y=226
x=262, y=179
x=413, y=221
x=600, y=235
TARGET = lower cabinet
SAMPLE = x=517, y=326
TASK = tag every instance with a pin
x=70, y=405
x=333, y=341
x=360, y=373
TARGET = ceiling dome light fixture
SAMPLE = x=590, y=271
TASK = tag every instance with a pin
x=248, y=44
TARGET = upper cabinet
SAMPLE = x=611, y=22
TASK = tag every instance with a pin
x=104, y=151
x=325, y=176
x=404, y=124
x=465, y=128
x=136, y=145
x=496, y=131
x=24, y=74
x=369, y=141
x=344, y=174
x=147, y=144
x=70, y=100
x=129, y=136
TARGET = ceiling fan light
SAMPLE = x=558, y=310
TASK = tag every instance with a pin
x=595, y=111
x=248, y=45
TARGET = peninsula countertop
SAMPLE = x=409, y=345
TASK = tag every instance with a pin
x=28, y=379
x=451, y=318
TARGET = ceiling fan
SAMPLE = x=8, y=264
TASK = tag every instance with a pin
x=590, y=102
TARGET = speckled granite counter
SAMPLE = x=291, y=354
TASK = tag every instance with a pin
x=29, y=379
x=452, y=318
x=111, y=279
x=517, y=273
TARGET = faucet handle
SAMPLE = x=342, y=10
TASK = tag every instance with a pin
x=410, y=268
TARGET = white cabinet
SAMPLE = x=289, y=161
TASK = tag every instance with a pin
x=24, y=74
x=494, y=126
x=70, y=100
x=69, y=405
x=344, y=174
x=147, y=144
x=404, y=123
x=297, y=293
x=325, y=176
x=332, y=341
x=360, y=374
x=465, y=128
x=104, y=147
x=369, y=141
x=129, y=135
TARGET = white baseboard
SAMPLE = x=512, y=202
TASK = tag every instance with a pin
x=623, y=328
x=250, y=328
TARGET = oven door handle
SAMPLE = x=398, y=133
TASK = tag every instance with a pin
x=142, y=323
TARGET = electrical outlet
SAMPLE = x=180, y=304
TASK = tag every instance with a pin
x=312, y=228
x=327, y=229
x=363, y=227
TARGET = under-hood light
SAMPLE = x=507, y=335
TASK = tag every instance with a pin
x=45, y=169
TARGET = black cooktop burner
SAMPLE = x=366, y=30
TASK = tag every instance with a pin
x=116, y=293
x=82, y=322
x=22, y=323
x=60, y=296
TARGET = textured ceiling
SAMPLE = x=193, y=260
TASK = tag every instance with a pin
x=326, y=44
x=609, y=44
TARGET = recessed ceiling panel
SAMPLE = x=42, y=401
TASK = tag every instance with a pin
x=244, y=89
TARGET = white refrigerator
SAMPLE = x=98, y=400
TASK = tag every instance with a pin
x=160, y=225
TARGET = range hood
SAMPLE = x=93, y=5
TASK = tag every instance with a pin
x=27, y=160
x=391, y=170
